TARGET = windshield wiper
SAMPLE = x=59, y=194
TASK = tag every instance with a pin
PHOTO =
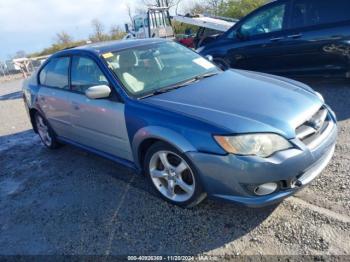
x=175, y=86
x=206, y=75
x=182, y=84
x=179, y=85
x=170, y=88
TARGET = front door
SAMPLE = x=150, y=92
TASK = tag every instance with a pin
x=97, y=123
x=256, y=42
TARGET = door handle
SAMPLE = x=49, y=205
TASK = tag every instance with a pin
x=275, y=39
x=295, y=36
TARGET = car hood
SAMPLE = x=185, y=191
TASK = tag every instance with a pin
x=244, y=102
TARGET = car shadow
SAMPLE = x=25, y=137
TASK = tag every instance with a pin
x=336, y=94
x=12, y=96
x=73, y=202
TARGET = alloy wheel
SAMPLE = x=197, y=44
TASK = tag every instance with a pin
x=172, y=176
x=43, y=130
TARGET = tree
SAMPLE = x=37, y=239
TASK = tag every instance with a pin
x=196, y=9
x=228, y=8
x=116, y=33
x=128, y=7
x=20, y=54
x=169, y=3
x=239, y=8
x=98, y=34
x=214, y=6
x=63, y=38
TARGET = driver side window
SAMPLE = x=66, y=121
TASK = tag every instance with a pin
x=266, y=21
x=85, y=73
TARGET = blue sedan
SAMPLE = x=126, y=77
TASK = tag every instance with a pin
x=192, y=129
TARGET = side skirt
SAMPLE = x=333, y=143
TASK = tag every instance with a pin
x=114, y=158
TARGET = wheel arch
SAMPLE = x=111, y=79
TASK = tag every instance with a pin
x=147, y=136
x=32, y=112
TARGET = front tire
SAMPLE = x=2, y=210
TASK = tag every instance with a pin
x=173, y=176
x=45, y=132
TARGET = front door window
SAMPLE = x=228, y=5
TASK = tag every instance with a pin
x=85, y=74
x=266, y=21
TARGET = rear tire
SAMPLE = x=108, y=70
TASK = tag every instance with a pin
x=173, y=176
x=45, y=132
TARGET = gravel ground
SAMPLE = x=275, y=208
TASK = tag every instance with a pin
x=72, y=202
x=9, y=78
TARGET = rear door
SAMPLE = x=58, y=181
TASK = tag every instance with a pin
x=97, y=123
x=53, y=94
x=318, y=43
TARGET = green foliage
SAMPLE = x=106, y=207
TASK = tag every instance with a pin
x=239, y=8
x=55, y=47
x=98, y=34
x=198, y=9
x=116, y=33
x=63, y=40
x=228, y=8
x=181, y=28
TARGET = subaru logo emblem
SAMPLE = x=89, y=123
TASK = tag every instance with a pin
x=316, y=124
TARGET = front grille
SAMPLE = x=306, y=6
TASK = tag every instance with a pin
x=314, y=127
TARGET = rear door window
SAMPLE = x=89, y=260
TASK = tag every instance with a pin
x=55, y=73
x=315, y=12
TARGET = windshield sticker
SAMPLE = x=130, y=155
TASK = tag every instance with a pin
x=203, y=63
x=107, y=55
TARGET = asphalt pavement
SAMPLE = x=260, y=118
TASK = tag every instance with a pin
x=71, y=202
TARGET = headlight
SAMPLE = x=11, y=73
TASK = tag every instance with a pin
x=262, y=145
x=319, y=96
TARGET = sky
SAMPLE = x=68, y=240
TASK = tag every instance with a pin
x=31, y=25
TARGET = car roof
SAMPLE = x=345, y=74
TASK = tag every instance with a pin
x=111, y=46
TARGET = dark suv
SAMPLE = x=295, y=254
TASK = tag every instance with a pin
x=289, y=37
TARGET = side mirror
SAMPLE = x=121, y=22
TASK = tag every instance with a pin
x=210, y=58
x=96, y=92
x=240, y=35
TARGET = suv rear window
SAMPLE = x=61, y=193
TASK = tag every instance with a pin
x=315, y=12
x=55, y=73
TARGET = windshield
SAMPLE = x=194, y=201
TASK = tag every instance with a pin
x=148, y=69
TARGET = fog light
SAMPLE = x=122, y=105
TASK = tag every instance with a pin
x=265, y=189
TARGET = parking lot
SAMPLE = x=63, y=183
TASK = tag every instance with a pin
x=72, y=202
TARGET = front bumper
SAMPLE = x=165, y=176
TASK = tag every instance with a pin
x=231, y=177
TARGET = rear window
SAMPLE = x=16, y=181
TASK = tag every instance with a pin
x=55, y=73
x=315, y=12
